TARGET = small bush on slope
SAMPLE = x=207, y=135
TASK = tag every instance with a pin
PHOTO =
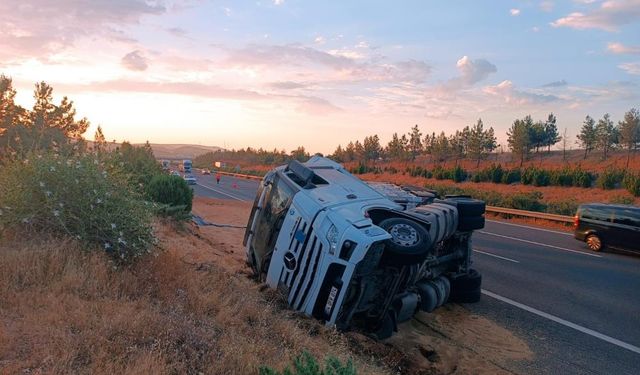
x=76, y=196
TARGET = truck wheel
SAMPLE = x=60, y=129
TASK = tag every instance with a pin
x=409, y=242
x=466, y=206
x=466, y=288
x=594, y=243
x=467, y=224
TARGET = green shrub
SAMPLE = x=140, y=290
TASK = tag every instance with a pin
x=609, y=179
x=458, y=174
x=582, y=178
x=173, y=192
x=631, y=182
x=511, y=176
x=565, y=207
x=541, y=177
x=306, y=364
x=78, y=197
x=135, y=164
x=622, y=199
x=524, y=201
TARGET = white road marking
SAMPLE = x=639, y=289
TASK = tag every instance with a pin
x=530, y=227
x=542, y=244
x=495, y=256
x=565, y=323
x=221, y=192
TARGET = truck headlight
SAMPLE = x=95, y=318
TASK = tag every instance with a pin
x=332, y=237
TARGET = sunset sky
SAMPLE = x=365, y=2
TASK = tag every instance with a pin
x=283, y=73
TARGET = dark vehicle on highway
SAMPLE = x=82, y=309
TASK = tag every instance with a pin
x=608, y=225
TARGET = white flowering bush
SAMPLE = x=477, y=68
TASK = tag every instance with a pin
x=78, y=196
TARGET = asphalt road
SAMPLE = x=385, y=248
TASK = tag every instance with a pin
x=579, y=311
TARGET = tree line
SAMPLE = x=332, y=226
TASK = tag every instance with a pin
x=475, y=142
x=604, y=136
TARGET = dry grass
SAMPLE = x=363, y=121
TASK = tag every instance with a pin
x=64, y=310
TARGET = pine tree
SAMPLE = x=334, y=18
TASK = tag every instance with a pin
x=629, y=130
x=415, y=142
x=519, y=138
x=587, y=136
x=606, y=135
x=551, y=136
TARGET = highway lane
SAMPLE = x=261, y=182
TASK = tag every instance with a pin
x=235, y=188
x=528, y=269
x=553, y=273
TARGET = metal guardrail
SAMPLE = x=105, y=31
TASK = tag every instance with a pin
x=492, y=209
x=531, y=214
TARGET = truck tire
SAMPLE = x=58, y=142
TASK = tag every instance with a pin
x=467, y=224
x=409, y=243
x=466, y=288
x=467, y=207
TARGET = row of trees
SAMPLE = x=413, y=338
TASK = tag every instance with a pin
x=604, y=136
x=474, y=142
x=252, y=156
x=526, y=135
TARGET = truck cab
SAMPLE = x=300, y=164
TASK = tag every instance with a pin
x=346, y=254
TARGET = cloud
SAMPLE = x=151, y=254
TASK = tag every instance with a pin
x=177, y=31
x=320, y=40
x=410, y=71
x=621, y=49
x=514, y=12
x=135, y=61
x=269, y=55
x=33, y=28
x=506, y=90
x=547, y=6
x=471, y=72
x=309, y=104
x=278, y=2
x=287, y=85
x=608, y=17
x=316, y=106
x=631, y=68
x=560, y=83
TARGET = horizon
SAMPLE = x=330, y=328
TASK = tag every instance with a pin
x=282, y=74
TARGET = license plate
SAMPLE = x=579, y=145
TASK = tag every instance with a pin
x=330, y=300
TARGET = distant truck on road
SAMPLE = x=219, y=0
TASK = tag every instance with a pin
x=220, y=164
x=185, y=167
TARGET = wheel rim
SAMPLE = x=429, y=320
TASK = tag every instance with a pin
x=404, y=235
x=594, y=243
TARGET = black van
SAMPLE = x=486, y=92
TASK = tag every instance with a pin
x=613, y=225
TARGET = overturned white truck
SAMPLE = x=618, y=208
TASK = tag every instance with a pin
x=359, y=256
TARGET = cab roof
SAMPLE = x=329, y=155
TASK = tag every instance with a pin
x=332, y=184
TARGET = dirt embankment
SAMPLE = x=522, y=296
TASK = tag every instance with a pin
x=193, y=308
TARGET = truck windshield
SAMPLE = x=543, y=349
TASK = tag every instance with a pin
x=277, y=200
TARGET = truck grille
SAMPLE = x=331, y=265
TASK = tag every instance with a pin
x=307, y=252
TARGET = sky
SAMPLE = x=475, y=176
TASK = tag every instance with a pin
x=284, y=73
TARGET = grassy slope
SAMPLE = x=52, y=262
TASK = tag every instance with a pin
x=67, y=311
